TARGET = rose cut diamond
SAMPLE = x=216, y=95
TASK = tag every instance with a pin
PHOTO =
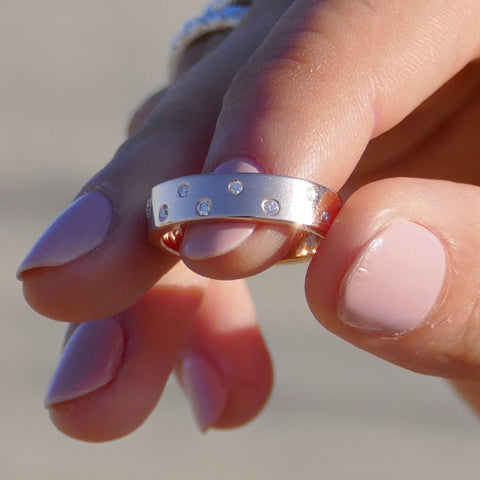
x=204, y=207
x=271, y=206
x=149, y=208
x=235, y=187
x=184, y=190
x=163, y=213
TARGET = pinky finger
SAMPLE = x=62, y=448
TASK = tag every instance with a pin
x=225, y=368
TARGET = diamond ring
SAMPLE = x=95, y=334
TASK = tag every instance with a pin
x=305, y=206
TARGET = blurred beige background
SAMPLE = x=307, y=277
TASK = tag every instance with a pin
x=70, y=74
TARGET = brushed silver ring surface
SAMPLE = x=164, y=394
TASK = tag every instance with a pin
x=306, y=207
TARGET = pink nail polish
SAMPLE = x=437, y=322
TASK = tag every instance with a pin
x=89, y=361
x=216, y=239
x=77, y=231
x=204, y=389
x=395, y=283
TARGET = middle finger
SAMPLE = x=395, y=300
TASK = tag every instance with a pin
x=331, y=76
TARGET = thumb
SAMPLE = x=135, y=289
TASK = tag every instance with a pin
x=398, y=275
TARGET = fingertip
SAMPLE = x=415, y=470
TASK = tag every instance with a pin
x=204, y=388
x=230, y=373
x=90, y=360
x=396, y=273
x=396, y=281
x=203, y=242
x=42, y=290
x=82, y=227
x=258, y=250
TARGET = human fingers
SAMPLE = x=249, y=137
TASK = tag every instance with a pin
x=226, y=335
x=94, y=260
x=194, y=53
x=398, y=275
x=329, y=77
x=113, y=371
x=470, y=392
x=141, y=115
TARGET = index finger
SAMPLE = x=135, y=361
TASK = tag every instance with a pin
x=94, y=260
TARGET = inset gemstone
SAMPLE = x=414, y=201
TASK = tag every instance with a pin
x=184, y=190
x=326, y=216
x=163, y=213
x=204, y=207
x=149, y=208
x=271, y=206
x=235, y=187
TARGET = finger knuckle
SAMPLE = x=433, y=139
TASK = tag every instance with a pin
x=319, y=43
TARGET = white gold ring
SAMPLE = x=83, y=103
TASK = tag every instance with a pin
x=305, y=206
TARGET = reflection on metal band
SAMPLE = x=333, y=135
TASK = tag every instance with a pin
x=306, y=207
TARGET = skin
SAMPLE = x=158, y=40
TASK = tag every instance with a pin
x=388, y=113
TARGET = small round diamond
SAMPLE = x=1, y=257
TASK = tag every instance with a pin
x=204, y=207
x=184, y=190
x=235, y=187
x=149, y=208
x=326, y=216
x=271, y=206
x=163, y=213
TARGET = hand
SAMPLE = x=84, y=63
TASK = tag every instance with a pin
x=330, y=77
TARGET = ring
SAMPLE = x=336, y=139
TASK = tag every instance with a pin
x=219, y=15
x=305, y=206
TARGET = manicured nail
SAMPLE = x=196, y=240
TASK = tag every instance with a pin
x=204, y=389
x=77, y=231
x=215, y=239
x=396, y=281
x=89, y=361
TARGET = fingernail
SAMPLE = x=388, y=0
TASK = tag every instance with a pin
x=77, y=231
x=215, y=239
x=396, y=281
x=204, y=389
x=89, y=361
